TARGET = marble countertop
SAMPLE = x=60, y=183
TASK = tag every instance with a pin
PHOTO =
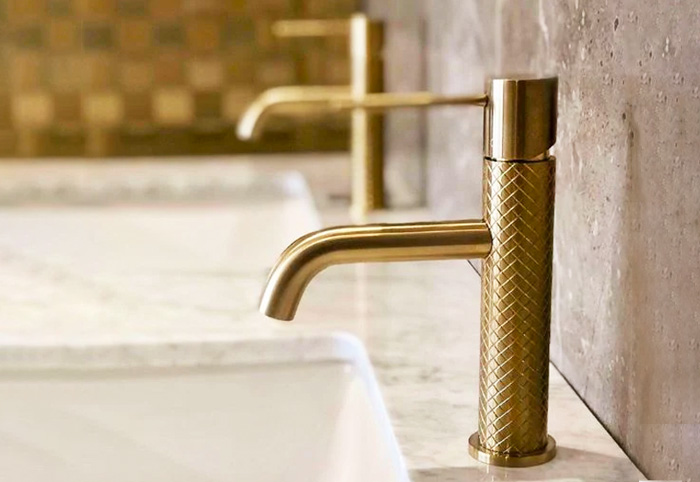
x=144, y=296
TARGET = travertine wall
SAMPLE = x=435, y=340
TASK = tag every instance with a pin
x=101, y=77
x=626, y=329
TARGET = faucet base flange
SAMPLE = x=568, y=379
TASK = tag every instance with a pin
x=509, y=460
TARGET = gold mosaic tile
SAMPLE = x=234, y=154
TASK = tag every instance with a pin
x=205, y=74
x=165, y=9
x=67, y=73
x=173, y=106
x=32, y=110
x=26, y=72
x=76, y=67
x=135, y=35
x=63, y=35
x=103, y=109
x=137, y=75
x=203, y=34
x=99, y=71
x=25, y=10
x=169, y=69
x=95, y=9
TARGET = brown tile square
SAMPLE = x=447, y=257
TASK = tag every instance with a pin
x=135, y=35
x=99, y=71
x=207, y=105
x=67, y=108
x=169, y=34
x=97, y=36
x=166, y=9
x=169, y=69
x=30, y=37
x=63, y=34
x=240, y=68
x=235, y=100
x=96, y=9
x=24, y=10
x=203, y=6
x=5, y=111
x=137, y=8
x=58, y=8
x=138, y=107
x=26, y=72
x=239, y=30
x=237, y=6
x=203, y=34
x=137, y=75
x=67, y=73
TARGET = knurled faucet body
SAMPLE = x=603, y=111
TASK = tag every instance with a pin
x=514, y=239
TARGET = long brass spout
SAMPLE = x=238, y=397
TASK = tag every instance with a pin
x=291, y=98
x=312, y=253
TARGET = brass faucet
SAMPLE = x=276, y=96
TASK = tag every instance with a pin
x=367, y=143
x=514, y=238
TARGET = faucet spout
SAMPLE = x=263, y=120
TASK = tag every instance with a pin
x=312, y=253
x=314, y=98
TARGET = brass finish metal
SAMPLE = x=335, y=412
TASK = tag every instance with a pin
x=372, y=243
x=515, y=238
x=294, y=99
x=367, y=143
x=310, y=28
x=516, y=283
x=521, y=121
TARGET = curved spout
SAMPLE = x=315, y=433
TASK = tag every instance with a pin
x=308, y=97
x=310, y=254
x=338, y=98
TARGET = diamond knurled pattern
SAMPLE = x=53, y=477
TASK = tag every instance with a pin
x=516, y=304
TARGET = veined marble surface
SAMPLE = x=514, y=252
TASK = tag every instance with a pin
x=159, y=285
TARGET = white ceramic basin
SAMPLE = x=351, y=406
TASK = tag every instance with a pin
x=302, y=409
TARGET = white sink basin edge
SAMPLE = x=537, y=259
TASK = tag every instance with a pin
x=298, y=408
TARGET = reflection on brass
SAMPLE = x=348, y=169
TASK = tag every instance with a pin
x=296, y=99
x=522, y=121
x=515, y=240
x=367, y=143
x=310, y=28
x=310, y=254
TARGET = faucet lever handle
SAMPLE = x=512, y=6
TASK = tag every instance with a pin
x=310, y=28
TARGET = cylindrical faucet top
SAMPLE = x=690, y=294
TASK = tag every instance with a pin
x=520, y=120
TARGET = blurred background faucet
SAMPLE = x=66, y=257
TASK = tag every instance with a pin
x=514, y=238
x=367, y=143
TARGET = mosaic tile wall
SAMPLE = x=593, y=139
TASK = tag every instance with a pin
x=130, y=77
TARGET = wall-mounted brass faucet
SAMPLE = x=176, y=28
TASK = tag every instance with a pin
x=367, y=143
x=514, y=238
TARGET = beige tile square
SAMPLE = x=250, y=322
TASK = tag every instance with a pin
x=173, y=106
x=103, y=109
x=276, y=71
x=205, y=74
x=32, y=110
